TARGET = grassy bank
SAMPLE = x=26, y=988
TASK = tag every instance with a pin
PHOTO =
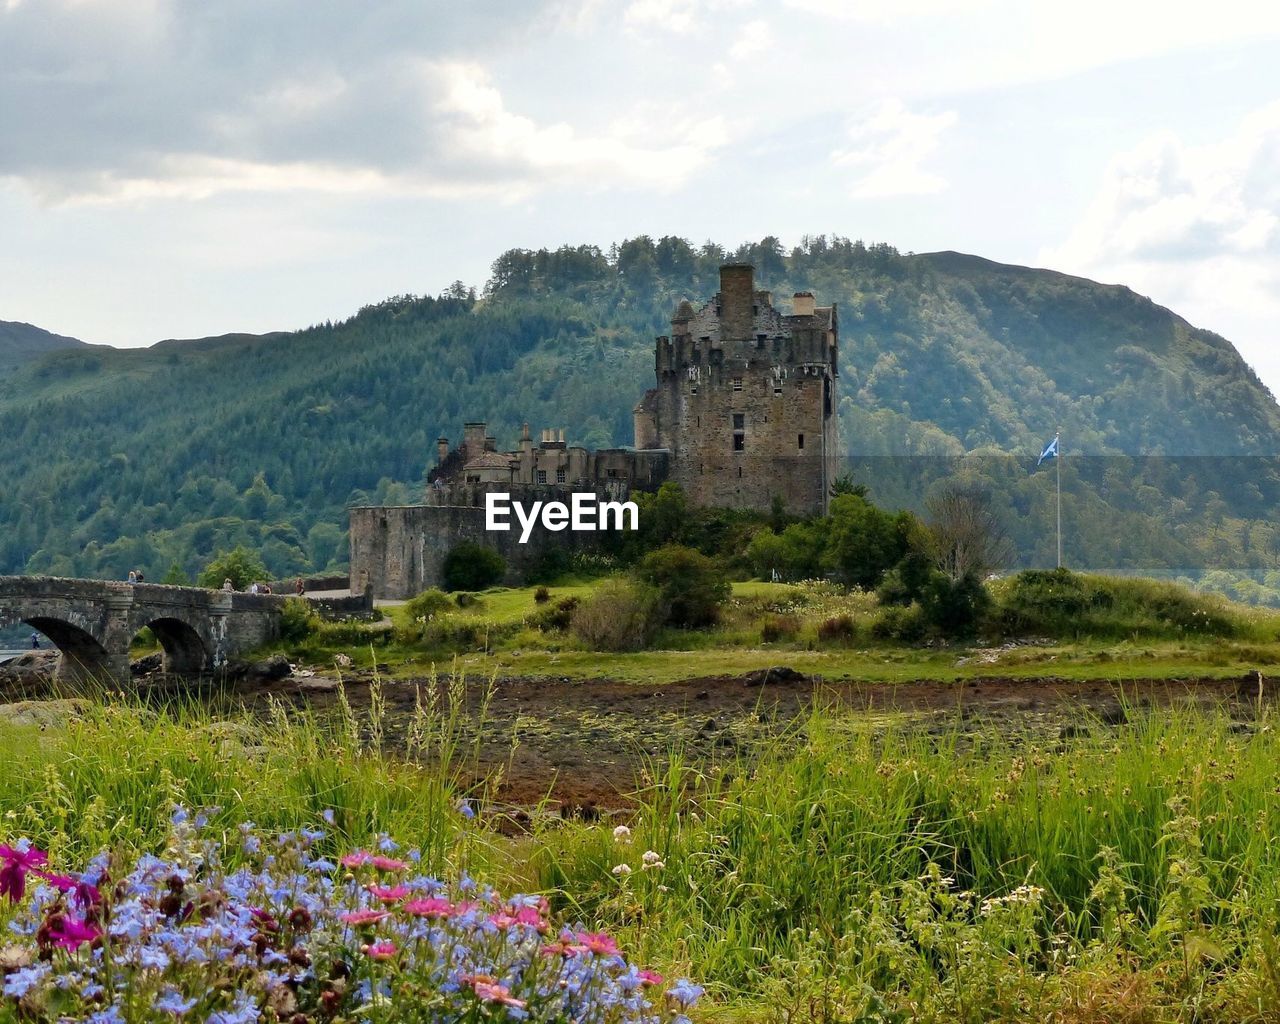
x=837, y=875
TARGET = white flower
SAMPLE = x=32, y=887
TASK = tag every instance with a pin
x=622, y=870
x=652, y=861
x=622, y=835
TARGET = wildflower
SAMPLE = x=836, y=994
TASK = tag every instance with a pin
x=432, y=906
x=385, y=950
x=685, y=992
x=598, y=943
x=622, y=835
x=386, y=844
x=652, y=861
x=355, y=860
x=83, y=894
x=359, y=918
x=18, y=861
x=622, y=870
x=388, y=864
x=650, y=977
x=328, y=815
x=488, y=990
x=22, y=981
x=70, y=932
x=172, y=1001
x=388, y=893
x=466, y=810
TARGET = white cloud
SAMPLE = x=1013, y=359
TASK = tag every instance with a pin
x=1196, y=227
x=753, y=38
x=888, y=148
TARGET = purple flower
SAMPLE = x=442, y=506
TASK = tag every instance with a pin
x=18, y=861
x=22, y=981
x=172, y=1001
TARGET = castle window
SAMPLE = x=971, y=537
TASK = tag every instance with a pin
x=542, y=476
x=739, y=443
x=739, y=472
x=755, y=310
x=560, y=475
x=693, y=390
x=800, y=442
x=777, y=389
x=739, y=421
x=612, y=473
x=737, y=383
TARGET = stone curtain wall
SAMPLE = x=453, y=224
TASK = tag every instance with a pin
x=399, y=551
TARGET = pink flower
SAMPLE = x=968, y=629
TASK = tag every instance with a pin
x=651, y=977
x=388, y=893
x=388, y=864
x=598, y=943
x=358, y=918
x=84, y=894
x=488, y=990
x=431, y=906
x=355, y=860
x=385, y=950
x=17, y=863
x=71, y=933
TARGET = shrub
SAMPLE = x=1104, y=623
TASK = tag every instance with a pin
x=839, y=629
x=954, y=607
x=428, y=605
x=557, y=617
x=779, y=627
x=298, y=620
x=690, y=586
x=905, y=625
x=541, y=596
x=471, y=566
x=622, y=615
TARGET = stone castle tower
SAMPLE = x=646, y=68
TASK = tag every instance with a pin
x=745, y=399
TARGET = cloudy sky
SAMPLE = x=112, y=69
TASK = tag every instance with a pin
x=175, y=168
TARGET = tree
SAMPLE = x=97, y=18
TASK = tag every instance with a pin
x=239, y=565
x=865, y=542
x=969, y=539
x=177, y=577
x=691, y=587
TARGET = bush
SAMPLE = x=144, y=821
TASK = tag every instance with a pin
x=298, y=620
x=428, y=605
x=622, y=615
x=905, y=625
x=541, y=596
x=471, y=566
x=839, y=629
x=557, y=617
x=954, y=607
x=779, y=627
x=690, y=586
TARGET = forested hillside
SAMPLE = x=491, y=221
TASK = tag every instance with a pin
x=118, y=459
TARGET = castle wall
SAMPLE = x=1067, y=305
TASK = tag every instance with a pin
x=399, y=551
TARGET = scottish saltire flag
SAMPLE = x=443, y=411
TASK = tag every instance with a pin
x=1050, y=450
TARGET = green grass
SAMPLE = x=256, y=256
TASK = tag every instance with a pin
x=841, y=873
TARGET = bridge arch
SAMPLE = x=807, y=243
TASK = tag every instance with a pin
x=185, y=652
x=84, y=658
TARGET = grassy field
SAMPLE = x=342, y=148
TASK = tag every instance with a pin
x=837, y=875
x=493, y=635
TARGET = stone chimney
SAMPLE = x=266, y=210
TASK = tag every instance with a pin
x=737, y=296
x=802, y=304
x=442, y=450
x=473, y=438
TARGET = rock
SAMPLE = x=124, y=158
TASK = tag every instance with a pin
x=342, y=660
x=773, y=676
x=43, y=713
x=275, y=667
x=318, y=684
x=147, y=665
x=1114, y=716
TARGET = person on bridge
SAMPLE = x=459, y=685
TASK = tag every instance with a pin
x=133, y=576
x=35, y=641
x=227, y=584
x=299, y=587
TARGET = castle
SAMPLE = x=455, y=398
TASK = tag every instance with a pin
x=742, y=414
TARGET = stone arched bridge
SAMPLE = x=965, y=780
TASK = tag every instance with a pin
x=92, y=622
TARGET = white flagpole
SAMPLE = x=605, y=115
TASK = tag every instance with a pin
x=1057, y=458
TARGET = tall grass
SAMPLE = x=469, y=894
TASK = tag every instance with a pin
x=913, y=867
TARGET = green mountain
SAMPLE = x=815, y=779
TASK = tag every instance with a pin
x=148, y=458
x=20, y=343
